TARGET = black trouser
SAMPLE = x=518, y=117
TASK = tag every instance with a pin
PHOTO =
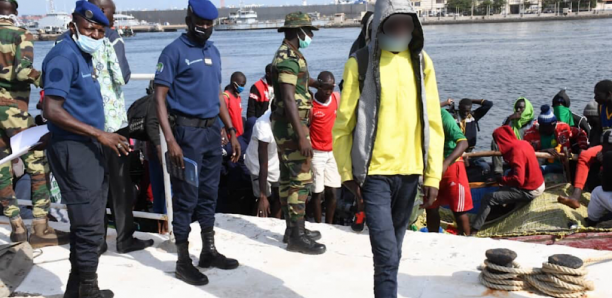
x=80, y=170
x=120, y=195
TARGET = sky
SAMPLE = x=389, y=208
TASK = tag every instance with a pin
x=37, y=7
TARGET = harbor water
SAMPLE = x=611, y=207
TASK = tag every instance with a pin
x=498, y=62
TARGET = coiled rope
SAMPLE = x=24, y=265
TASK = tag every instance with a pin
x=552, y=279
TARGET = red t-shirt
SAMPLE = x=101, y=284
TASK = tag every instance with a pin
x=234, y=106
x=323, y=117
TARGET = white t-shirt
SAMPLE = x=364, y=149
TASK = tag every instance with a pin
x=262, y=131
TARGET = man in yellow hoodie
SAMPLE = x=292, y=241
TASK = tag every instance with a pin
x=389, y=133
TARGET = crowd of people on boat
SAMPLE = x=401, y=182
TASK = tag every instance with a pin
x=303, y=152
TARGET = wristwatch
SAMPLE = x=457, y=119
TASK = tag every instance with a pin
x=232, y=130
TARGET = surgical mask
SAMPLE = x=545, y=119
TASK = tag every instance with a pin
x=394, y=44
x=239, y=88
x=306, y=42
x=202, y=35
x=86, y=43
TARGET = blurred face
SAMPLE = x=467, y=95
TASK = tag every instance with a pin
x=547, y=129
x=603, y=97
x=239, y=81
x=85, y=28
x=200, y=29
x=327, y=88
x=398, y=25
x=464, y=111
x=520, y=107
x=305, y=31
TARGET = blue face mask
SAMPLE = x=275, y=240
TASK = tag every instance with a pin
x=394, y=44
x=86, y=43
x=306, y=42
x=239, y=88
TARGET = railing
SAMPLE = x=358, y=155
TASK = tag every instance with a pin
x=167, y=189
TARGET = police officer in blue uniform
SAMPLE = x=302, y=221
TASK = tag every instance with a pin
x=188, y=80
x=74, y=109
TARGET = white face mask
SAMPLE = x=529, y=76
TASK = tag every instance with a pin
x=86, y=43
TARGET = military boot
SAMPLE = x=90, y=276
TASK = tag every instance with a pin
x=300, y=242
x=314, y=235
x=43, y=235
x=19, y=232
x=72, y=287
x=88, y=287
x=185, y=270
x=210, y=257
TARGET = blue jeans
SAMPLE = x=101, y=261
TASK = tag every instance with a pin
x=482, y=164
x=202, y=145
x=388, y=204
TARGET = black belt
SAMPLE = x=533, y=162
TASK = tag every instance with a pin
x=195, y=122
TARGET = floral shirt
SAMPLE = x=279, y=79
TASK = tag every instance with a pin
x=111, y=80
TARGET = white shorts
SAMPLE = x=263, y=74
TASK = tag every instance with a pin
x=325, y=171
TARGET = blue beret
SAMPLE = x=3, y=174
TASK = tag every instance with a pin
x=91, y=13
x=204, y=9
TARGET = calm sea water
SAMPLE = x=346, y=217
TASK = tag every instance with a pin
x=499, y=62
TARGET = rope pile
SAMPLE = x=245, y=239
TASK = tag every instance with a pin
x=553, y=279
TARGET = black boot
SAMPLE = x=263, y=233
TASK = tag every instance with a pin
x=210, y=257
x=314, y=235
x=72, y=287
x=299, y=242
x=134, y=245
x=185, y=270
x=88, y=287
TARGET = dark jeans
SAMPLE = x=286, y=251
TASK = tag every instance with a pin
x=388, y=204
x=120, y=195
x=80, y=171
x=482, y=164
x=506, y=195
x=202, y=145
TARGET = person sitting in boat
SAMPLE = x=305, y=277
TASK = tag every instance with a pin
x=600, y=207
x=591, y=113
x=554, y=137
x=603, y=96
x=454, y=187
x=522, y=120
x=233, y=101
x=523, y=183
x=561, y=108
x=468, y=122
x=587, y=170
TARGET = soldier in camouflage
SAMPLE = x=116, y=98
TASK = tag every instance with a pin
x=290, y=119
x=18, y=73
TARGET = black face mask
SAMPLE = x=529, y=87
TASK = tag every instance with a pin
x=202, y=35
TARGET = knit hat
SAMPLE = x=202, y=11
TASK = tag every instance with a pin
x=591, y=109
x=606, y=137
x=546, y=115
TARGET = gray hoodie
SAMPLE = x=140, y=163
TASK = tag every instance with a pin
x=364, y=134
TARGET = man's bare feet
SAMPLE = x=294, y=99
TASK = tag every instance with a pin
x=574, y=204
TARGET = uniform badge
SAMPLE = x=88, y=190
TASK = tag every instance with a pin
x=89, y=14
x=208, y=61
x=160, y=68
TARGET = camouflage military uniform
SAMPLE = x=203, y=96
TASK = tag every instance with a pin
x=16, y=62
x=290, y=67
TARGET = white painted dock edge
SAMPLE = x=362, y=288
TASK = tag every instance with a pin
x=433, y=266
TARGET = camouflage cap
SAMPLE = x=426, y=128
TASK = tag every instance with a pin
x=297, y=20
x=11, y=1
